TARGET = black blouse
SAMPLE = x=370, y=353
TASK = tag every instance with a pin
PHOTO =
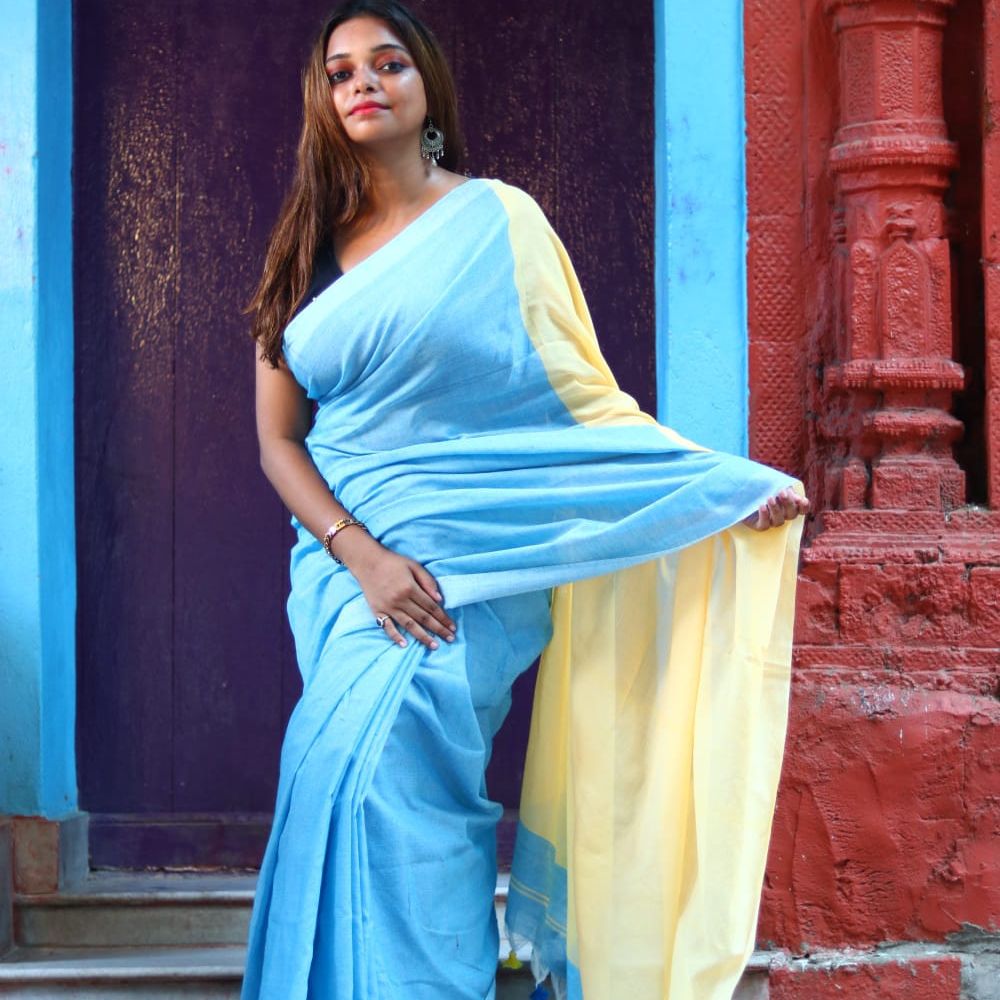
x=325, y=272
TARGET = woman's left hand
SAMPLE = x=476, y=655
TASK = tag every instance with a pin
x=784, y=506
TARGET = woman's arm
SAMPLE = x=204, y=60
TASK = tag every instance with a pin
x=392, y=584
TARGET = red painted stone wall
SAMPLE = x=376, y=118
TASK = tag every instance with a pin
x=990, y=249
x=883, y=877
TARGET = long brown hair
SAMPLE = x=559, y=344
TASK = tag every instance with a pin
x=332, y=182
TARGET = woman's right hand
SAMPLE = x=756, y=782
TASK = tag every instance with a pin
x=397, y=587
x=393, y=585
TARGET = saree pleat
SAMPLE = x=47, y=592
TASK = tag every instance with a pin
x=467, y=416
x=314, y=865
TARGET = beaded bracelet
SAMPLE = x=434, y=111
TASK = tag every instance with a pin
x=344, y=522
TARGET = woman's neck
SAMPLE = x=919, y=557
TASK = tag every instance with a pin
x=399, y=185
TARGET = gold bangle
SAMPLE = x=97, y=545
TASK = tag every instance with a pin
x=344, y=522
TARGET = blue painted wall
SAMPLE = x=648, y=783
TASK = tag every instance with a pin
x=701, y=336
x=37, y=542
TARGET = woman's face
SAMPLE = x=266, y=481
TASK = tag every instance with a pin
x=377, y=92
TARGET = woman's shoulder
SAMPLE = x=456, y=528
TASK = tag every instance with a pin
x=520, y=205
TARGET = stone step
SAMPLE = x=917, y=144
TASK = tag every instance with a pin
x=151, y=935
x=151, y=973
x=167, y=936
x=115, y=909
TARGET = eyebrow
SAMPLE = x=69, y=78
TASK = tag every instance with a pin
x=377, y=48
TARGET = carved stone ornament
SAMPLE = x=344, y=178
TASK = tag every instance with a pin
x=888, y=387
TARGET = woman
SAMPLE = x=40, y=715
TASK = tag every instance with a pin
x=474, y=488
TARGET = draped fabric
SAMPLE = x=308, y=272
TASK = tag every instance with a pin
x=465, y=413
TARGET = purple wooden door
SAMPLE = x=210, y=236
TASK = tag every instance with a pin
x=186, y=120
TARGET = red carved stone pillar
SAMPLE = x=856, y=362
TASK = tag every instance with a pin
x=888, y=386
x=898, y=571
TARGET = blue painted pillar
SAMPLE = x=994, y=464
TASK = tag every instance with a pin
x=37, y=543
x=701, y=336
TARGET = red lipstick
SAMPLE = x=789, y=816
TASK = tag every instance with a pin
x=367, y=107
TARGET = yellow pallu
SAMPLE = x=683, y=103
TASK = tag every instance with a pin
x=653, y=763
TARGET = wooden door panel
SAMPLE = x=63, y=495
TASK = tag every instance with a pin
x=186, y=122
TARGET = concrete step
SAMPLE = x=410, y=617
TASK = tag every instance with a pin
x=154, y=936
x=168, y=936
x=115, y=909
x=151, y=973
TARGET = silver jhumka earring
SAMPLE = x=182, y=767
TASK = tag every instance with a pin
x=431, y=141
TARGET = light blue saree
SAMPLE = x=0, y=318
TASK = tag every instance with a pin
x=466, y=415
